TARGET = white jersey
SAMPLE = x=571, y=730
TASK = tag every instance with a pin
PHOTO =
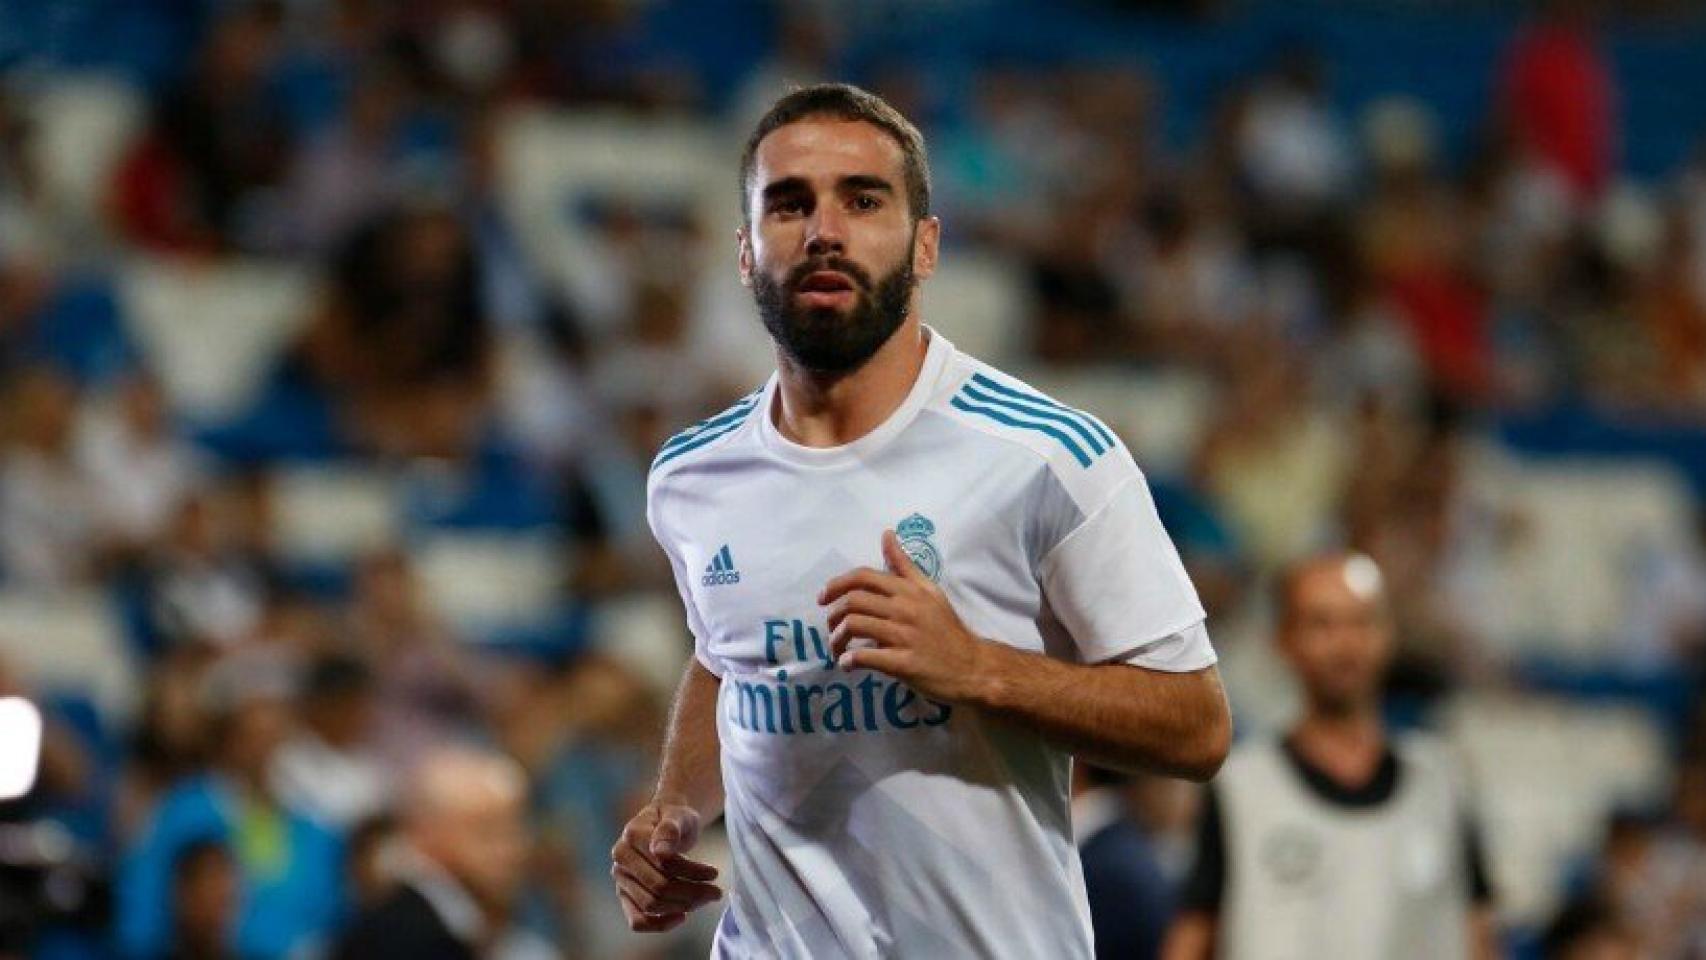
x=867, y=820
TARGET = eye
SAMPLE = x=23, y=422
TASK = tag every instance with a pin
x=867, y=201
x=788, y=206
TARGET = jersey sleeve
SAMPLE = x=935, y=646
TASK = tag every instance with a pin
x=1117, y=585
x=695, y=626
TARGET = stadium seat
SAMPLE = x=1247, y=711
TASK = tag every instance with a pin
x=489, y=584
x=330, y=515
x=981, y=302
x=213, y=332
x=1545, y=774
x=83, y=123
x=1577, y=534
x=70, y=644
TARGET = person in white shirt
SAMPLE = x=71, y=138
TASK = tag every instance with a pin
x=1341, y=839
x=916, y=586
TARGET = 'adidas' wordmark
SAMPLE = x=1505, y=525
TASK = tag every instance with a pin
x=722, y=569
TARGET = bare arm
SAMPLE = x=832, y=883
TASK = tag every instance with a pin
x=1116, y=715
x=690, y=772
x=656, y=883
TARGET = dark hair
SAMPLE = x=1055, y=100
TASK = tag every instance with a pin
x=842, y=101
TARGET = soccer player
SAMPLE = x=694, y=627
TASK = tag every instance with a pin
x=916, y=587
x=1338, y=840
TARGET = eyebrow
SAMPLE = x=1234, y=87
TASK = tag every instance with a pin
x=851, y=182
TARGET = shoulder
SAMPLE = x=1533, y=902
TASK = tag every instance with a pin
x=1430, y=758
x=701, y=440
x=1073, y=445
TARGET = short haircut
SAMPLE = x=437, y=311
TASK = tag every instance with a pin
x=1285, y=582
x=842, y=101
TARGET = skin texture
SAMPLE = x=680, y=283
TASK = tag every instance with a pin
x=1336, y=637
x=827, y=190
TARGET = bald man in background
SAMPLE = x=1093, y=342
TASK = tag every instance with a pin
x=458, y=868
x=1339, y=840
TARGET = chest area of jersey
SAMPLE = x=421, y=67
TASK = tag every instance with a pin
x=758, y=557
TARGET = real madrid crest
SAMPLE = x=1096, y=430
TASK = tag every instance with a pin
x=915, y=533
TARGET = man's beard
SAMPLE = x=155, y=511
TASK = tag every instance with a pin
x=822, y=339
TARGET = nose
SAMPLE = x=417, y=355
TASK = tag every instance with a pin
x=827, y=236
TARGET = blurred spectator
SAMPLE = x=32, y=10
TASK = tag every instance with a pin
x=48, y=520
x=404, y=342
x=369, y=849
x=291, y=867
x=206, y=886
x=207, y=588
x=139, y=469
x=1560, y=98
x=1588, y=930
x=426, y=688
x=352, y=172
x=205, y=178
x=1338, y=819
x=1296, y=157
x=329, y=770
x=1131, y=897
x=459, y=868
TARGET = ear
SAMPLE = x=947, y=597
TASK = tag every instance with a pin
x=925, y=246
x=744, y=258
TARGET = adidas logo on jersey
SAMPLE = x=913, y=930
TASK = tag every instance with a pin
x=722, y=569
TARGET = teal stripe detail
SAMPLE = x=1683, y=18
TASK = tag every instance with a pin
x=1101, y=431
x=730, y=415
x=728, y=559
x=1035, y=410
x=698, y=441
x=1001, y=417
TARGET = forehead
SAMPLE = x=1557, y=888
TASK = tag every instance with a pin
x=825, y=147
x=1339, y=583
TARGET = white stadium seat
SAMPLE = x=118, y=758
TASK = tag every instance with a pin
x=213, y=331
x=1545, y=773
x=70, y=641
x=486, y=582
x=332, y=515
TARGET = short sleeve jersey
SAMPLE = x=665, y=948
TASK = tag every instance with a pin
x=867, y=820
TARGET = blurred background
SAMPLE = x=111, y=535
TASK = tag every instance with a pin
x=336, y=337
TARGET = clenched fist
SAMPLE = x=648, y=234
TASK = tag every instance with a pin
x=657, y=885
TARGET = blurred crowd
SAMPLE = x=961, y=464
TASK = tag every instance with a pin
x=1359, y=305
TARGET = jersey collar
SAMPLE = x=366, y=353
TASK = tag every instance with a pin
x=936, y=354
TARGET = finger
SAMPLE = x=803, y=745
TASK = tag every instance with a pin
x=856, y=626
x=859, y=578
x=640, y=921
x=681, y=868
x=676, y=833
x=891, y=662
x=860, y=601
x=671, y=896
x=901, y=565
x=640, y=864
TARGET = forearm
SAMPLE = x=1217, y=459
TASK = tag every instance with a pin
x=690, y=771
x=1114, y=715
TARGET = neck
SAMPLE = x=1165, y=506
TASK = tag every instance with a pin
x=829, y=410
x=1346, y=745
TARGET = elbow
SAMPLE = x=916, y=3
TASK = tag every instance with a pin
x=1209, y=748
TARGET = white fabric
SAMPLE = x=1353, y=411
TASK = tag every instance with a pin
x=864, y=819
x=1307, y=879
